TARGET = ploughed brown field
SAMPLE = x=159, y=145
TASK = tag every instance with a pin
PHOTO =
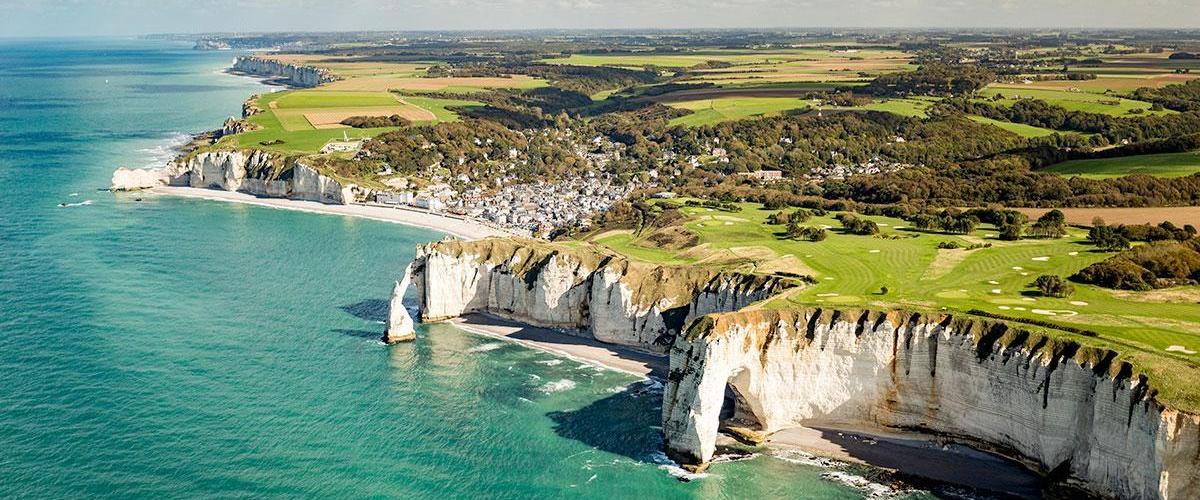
x=1083, y=216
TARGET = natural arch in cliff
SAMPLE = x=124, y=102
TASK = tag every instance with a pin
x=740, y=408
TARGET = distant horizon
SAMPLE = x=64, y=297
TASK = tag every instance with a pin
x=914, y=29
x=79, y=18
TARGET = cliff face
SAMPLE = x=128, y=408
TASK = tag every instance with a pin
x=255, y=172
x=1069, y=408
x=609, y=298
x=291, y=74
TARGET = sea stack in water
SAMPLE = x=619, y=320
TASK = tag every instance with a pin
x=400, y=324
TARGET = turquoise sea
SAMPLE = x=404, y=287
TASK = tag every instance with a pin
x=171, y=348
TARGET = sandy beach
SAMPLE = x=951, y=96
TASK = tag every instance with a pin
x=584, y=350
x=460, y=228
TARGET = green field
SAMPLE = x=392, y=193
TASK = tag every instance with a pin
x=709, y=111
x=1020, y=129
x=1159, y=165
x=307, y=99
x=1071, y=101
x=284, y=117
x=850, y=270
x=438, y=106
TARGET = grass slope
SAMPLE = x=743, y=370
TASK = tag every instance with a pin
x=1071, y=101
x=1020, y=129
x=709, y=111
x=1159, y=165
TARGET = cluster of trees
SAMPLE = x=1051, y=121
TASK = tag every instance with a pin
x=855, y=225
x=1053, y=286
x=949, y=220
x=1119, y=237
x=1009, y=180
x=1112, y=129
x=932, y=79
x=1052, y=224
x=1179, y=97
x=482, y=146
x=1145, y=267
x=715, y=204
x=376, y=121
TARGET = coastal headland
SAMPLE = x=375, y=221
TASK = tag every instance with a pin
x=791, y=262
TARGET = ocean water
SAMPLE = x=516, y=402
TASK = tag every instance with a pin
x=169, y=348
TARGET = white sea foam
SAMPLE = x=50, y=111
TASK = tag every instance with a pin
x=558, y=386
x=550, y=362
x=869, y=488
x=673, y=468
x=490, y=346
x=158, y=155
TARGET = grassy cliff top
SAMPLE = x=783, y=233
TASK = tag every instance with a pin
x=649, y=282
x=996, y=277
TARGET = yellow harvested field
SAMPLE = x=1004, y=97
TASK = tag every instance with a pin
x=1177, y=215
x=1116, y=83
x=332, y=118
x=383, y=84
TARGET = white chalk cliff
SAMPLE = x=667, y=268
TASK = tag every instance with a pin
x=609, y=298
x=291, y=74
x=255, y=172
x=1066, y=409
x=400, y=323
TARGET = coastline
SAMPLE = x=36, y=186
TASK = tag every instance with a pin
x=910, y=454
x=456, y=227
x=591, y=352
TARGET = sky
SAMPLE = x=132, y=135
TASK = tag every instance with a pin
x=25, y=18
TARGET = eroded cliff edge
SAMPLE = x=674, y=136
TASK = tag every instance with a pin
x=291, y=74
x=1068, y=409
x=1075, y=410
x=609, y=298
x=256, y=172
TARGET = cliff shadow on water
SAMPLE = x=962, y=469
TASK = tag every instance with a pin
x=625, y=423
x=372, y=310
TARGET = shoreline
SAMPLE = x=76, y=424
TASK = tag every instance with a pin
x=579, y=349
x=452, y=226
x=910, y=454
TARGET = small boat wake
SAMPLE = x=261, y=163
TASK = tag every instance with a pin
x=80, y=204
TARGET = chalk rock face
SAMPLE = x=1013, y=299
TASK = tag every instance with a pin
x=133, y=179
x=292, y=74
x=400, y=323
x=609, y=298
x=1059, y=404
x=256, y=172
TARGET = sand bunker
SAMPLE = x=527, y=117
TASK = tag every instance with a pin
x=1054, y=312
x=997, y=291
x=1041, y=259
x=1179, y=348
x=1078, y=303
